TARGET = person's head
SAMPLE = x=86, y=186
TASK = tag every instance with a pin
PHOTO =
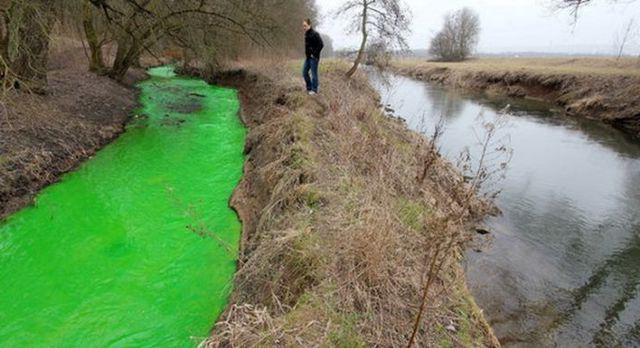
x=306, y=24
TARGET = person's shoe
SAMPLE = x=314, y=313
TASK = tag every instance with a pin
x=312, y=93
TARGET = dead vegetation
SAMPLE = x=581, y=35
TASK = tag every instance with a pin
x=44, y=136
x=338, y=232
x=598, y=88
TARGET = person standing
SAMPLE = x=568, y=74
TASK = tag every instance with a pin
x=313, y=46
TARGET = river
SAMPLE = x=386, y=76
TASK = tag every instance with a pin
x=138, y=246
x=562, y=265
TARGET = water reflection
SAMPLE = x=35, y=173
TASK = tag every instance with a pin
x=564, y=265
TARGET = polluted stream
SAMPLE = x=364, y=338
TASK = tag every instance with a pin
x=561, y=264
x=138, y=246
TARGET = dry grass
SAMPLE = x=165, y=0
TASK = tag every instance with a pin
x=337, y=228
x=573, y=66
x=598, y=88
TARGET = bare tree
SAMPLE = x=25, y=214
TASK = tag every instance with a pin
x=622, y=39
x=386, y=20
x=201, y=29
x=459, y=36
x=95, y=37
x=24, y=48
x=204, y=29
x=575, y=5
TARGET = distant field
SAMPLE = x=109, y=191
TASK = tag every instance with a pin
x=569, y=65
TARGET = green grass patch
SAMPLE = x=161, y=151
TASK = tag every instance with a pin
x=412, y=214
x=346, y=336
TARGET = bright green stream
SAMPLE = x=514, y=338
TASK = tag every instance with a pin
x=138, y=246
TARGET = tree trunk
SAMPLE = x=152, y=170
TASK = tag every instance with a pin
x=30, y=24
x=126, y=55
x=363, y=45
x=4, y=35
x=185, y=58
x=130, y=47
x=96, y=60
x=135, y=62
x=4, y=47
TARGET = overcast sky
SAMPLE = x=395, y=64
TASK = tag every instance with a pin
x=509, y=25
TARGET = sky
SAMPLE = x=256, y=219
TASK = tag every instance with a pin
x=510, y=25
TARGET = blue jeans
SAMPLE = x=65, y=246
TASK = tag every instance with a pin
x=311, y=64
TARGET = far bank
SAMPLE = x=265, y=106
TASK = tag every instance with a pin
x=599, y=88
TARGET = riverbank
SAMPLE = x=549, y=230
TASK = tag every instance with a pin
x=45, y=136
x=598, y=88
x=568, y=176
x=139, y=240
x=336, y=228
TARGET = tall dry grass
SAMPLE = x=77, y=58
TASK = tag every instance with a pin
x=343, y=217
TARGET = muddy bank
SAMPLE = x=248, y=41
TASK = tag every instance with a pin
x=335, y=227
x=609, y=96
x=45, y=136
x=138, y=241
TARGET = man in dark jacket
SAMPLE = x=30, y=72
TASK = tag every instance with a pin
x=313, y=46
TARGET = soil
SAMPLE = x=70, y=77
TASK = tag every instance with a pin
x=45, y=136
x=613, y=98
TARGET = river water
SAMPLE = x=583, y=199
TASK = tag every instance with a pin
x=137, y=247
x=562, y=265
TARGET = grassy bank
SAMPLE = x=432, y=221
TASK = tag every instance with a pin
x=337, y=227
x=599, y=88
x=45, y=136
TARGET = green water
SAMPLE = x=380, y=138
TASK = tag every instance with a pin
x=138, y=246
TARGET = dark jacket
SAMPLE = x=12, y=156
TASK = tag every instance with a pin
x=313, y=44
